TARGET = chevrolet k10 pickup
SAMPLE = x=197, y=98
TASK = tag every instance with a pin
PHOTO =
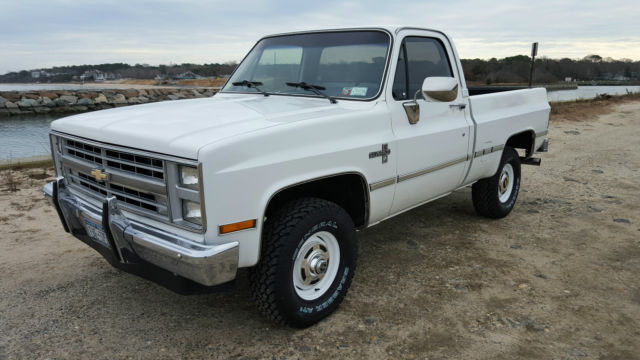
x=315, y=135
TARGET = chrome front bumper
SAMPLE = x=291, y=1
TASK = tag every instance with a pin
x=131, y=242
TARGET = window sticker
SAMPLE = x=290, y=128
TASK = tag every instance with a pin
x=354, y=91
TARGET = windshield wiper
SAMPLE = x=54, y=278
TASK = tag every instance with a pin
x=315, y=88
x=250, y=84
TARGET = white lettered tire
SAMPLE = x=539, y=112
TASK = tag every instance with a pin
x=496, y=196
x=308, y=259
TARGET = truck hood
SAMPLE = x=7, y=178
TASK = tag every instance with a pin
x=181, y=128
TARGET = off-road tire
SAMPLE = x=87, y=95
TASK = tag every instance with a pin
x=284, y=233
x=486, y=194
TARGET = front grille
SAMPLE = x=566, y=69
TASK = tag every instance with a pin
x=132, y=169
x=84, y=151
x=140, y=165
x=128, y=195
x=132, y=163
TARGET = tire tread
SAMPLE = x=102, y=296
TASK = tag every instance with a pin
x=263, y=276
x=485, y=191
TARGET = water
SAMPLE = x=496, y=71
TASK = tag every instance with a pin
x=590, y=92
x=25, y=136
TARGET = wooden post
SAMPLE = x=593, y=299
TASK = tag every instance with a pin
x=534, y=52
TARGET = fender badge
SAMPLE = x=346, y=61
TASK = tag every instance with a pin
x=384, y=153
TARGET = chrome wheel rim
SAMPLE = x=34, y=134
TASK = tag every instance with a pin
x=505, y=183
x=316, y=265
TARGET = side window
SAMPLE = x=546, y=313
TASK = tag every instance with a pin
x=422, y=58
x=400, y=80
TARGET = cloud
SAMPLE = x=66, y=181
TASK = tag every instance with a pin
x=37, y=34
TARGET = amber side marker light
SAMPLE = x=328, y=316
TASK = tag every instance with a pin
x=242, y=225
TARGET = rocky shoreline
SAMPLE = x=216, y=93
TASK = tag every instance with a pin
x=70, y=101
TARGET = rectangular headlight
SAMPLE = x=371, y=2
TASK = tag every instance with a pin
x=189, y=177
x=185, y=198
x=191, y=212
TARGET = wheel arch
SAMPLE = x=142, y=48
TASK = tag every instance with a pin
x=525, y=140
x=349, y=190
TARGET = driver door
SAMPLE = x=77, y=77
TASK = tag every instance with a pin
x=432, y=152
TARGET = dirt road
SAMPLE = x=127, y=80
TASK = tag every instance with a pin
x=559, y=278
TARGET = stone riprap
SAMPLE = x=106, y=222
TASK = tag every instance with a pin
x=70, y=101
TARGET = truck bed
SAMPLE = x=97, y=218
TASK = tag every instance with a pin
x=480, y=90
x=497, y=116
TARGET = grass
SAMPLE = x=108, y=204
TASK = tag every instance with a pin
x=586, y=109
x=203, y=82
x=37, y=164
x=8, y=171
x=194, y=82
x=10, y=182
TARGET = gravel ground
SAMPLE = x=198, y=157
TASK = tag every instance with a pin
x=556, y=279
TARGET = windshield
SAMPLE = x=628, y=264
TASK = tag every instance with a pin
x=346, y=64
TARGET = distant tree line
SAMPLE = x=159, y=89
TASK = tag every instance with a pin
x=137, y=71
x=515, y=69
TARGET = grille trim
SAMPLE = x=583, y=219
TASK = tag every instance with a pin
x=117, y=176
x=72, y=167
x=92, y=157
x=113, y=159
x=136, y=180
x=159, y=156
x=122, y=192
x=134, y=164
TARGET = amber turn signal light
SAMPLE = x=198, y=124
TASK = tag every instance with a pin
x=242, y=225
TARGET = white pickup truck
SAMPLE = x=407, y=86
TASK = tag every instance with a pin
x=315, y=135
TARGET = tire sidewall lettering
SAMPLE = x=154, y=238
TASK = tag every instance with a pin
x=510, y=203
x=333, y=227
x=325, y=304
x=292, y=226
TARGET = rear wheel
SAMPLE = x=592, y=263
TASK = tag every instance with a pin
x=496, y=196
x=308, y=260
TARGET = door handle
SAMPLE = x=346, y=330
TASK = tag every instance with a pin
x=461, y=106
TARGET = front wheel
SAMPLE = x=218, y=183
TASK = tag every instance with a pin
x=308, y=260
x=496, y=196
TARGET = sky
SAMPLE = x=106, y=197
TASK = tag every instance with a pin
x=40, y=34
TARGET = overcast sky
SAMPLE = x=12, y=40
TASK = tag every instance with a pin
x=36, y=34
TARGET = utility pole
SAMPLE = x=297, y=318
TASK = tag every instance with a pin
x=534, y=52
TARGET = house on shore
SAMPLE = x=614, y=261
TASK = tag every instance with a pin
x=187, y=76
x=97, y=75
x=37, y=74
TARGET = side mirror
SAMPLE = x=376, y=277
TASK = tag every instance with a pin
x=440, y=88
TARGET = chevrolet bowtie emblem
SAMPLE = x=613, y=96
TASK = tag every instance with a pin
x=99, y=175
